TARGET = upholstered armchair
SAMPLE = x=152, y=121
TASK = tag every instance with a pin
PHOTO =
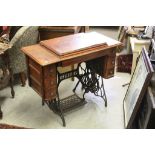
x=25, y=36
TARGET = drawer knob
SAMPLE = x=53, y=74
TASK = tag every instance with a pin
x=113, y=52
x=51, y=71
x=111, y=72
x=113, y=62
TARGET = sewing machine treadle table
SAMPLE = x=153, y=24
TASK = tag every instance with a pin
x=43, y=60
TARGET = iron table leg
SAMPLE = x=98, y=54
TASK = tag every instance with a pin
x=60, y=110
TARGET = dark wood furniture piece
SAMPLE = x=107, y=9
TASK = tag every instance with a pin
x=49, y=32
x=7, y=75
x=43, y=65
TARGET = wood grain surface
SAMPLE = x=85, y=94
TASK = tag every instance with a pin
x=44, y=56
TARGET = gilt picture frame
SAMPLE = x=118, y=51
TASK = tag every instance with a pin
x=137, y=87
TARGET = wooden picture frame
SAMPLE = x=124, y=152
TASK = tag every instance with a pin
x=152, y=51
x=146, y=115
x=138, y=85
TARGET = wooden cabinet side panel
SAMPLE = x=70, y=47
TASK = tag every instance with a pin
x=35, y=76
x=109, y=65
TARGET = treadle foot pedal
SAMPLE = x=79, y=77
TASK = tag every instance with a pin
x=71, y=102
x=67, y=104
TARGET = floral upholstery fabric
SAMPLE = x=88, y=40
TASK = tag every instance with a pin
x=24, y=37
x=27, y=35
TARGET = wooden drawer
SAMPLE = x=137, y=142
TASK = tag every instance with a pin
x=109, y=67
x=34, y=65
x=50, y=93
x=50, y=82
x=50, y=71
x=36, y=87
x=111, y=62
x=108, y=73
x=35, y=74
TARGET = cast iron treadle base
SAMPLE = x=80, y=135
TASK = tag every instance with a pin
x=90, y=81
x=68, y=103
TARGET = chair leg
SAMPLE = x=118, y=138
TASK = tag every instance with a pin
x=11, y=86
x=23, y=78
x=1, y=113
x=72, y=67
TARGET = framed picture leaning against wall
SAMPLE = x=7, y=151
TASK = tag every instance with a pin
x=137, y=87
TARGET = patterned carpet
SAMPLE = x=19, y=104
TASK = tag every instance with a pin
x=6, y=126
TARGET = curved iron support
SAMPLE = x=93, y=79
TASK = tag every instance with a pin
x=60, y=109
x=91, y=81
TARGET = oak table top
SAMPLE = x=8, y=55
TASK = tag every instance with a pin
x=44, y=56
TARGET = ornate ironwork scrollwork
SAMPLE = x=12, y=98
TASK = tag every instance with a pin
x=91, y=80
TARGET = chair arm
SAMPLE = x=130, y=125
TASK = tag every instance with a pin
x=18, y=35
